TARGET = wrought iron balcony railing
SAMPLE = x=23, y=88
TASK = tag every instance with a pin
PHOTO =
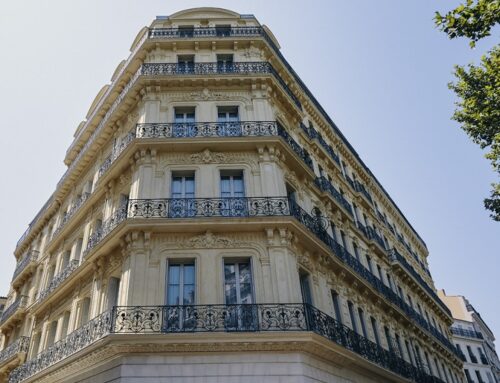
x=207, y=129
x=208, y=207
x=314, y=135
x=31, y=256
x=74, y=208
x=360, y=188
x=211, y=68
x=19, y=346
x=374, y=236
x=220, y=318
x=201, y=32
x=396, y=257
x=466, y=333
x=327, y=186
x=58, y=279
x=20, y=303
x=304, y=156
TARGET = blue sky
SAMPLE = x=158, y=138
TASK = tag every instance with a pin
x=380, y=70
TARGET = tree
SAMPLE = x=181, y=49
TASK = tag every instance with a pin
x=478, y=87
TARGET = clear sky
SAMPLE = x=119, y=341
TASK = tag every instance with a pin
x=379, y=68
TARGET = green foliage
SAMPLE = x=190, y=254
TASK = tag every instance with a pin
x=478, y=87
x=471, y=20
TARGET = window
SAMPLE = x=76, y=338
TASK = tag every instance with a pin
x=336, y=306
x=223, y=30
x=388, y=338
x=184, y=119
x=65, y=324
x=305, y=287
x=113, y=289
x=224, y=63
x=78, y=249
x=379, y=269
x=375, y=330
x=238, y=291
x=65, y=259
x=84, y=311
x=182, y=203
x=478, y=375
x=356, y=251
x=228, y=121
x=350, y=306
x=231, y=184
x=35, y=345
x=342, y=237
x=400, y=347
x=361, y=316
x=181, y=284
x=369, y=263
x=408, y=350
x=186, y=30
x=291, y=193
x=51, y=336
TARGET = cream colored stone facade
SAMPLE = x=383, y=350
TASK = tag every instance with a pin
x=474, y=339
x=207, y=167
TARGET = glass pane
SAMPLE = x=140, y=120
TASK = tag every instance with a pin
x=239, y=190
x=245, y=293
x=229, y=273
x=190, y=117
x=230, y=293
x=188, y=274
x=222, y=117
x=188, y=297
x=179, y=117
x=245, y=273
x=173, y=274
x=176, y=187
x=225, y=186
x=189, y=187
x=173, y=295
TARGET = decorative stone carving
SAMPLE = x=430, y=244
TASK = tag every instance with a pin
x=211, y=240
x=207, y=157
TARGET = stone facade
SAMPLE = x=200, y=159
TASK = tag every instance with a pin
x=215, y=225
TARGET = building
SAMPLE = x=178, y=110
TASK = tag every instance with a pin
x=474, y=340
x=214, y=224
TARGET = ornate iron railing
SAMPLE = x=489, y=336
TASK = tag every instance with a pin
x=31, y=256
x=220, y=318
x=208, y=207
x=200, y=32
x=338, y=250
x=396, y=257
x=210, y=68
x=326, y=185
x=58, y=279
x=89, y=333
x=314, y=135
x=207, y=129
x=116, y=152
x=466, y=333
x=20, y=345
x=67, y=216
x=374, y=236
x=360, y=188
x=107, y=227
x=20, y=302
x=304, y=156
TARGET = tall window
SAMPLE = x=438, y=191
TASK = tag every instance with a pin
x=238, y=291
x=65, y=324
x=375, y=329
x=336, y=306
x=228, y=118
x=356, y=251
x=184, y=119
x=369, y=263
x=185, y=63
x=181, y=284
x=350, y=306
x=400, y=347
x=182, y=193
x=51, y=336
x=84, y=311
x=113, y=289
x=361, y=316
x=388, y=338
x=305, y=287
x=224, y=63
x=408, y=350
x=231, y=184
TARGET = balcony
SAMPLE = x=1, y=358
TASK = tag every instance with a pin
x=301, y=153
x=466, y=333
x=25, y=265
x=377, y=239
x=253, y=318
x=58, y=280
x=326, y=186
x=70, y=213
x=398, y=259
x=15, y=310
x=15, y=351
x=312, y=134
x=360, y=188
x=202, y=32
x=215, y=68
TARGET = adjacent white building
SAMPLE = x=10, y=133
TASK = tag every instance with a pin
x=474, y=340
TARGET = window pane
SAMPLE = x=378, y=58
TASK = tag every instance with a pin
x=239, y=190
x=225, y=186
x=245, y=293
x=188, y=296
x=245, y=273
x=173, y=274
x=188, y=274
x=189, y=187
x=230, y=293
x=229, y=273
x=173, y=295
x=176, y=187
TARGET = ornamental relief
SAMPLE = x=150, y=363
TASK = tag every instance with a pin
x=208, y=157
x=206, y=95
